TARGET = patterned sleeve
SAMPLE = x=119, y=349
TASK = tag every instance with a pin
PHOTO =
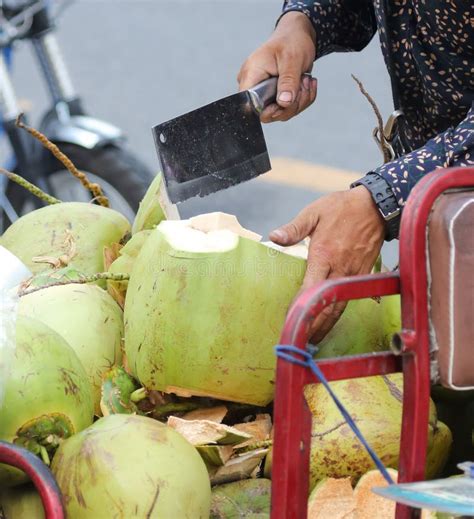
x=454, y=147
x=340, y=25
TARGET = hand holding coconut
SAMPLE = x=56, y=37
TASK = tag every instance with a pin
x=346, y=232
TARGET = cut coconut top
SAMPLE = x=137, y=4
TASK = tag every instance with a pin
x=221, y=221
x=182, y=237
x=216, y=232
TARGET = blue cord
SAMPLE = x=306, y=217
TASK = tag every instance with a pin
x=285, y=352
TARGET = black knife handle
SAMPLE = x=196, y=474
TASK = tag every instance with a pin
x=264, y=93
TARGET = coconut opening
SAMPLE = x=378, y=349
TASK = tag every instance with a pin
x=181, y=236
x=217, y=232
x=221, y=221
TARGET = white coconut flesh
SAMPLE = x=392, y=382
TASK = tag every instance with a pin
x=214, y=233
x=182, y=237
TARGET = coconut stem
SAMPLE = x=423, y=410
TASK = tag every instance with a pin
x=94, y=188
x=44, y=455
x=34, y=190
x=173, y=407
x=373, y=104
x=138, y=395
x=84, y=279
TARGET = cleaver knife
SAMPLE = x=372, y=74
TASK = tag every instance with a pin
x=216, y=146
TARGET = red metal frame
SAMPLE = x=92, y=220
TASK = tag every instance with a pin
x=40, y=475
x=292, y=434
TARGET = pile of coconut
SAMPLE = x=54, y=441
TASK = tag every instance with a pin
x=143, y=369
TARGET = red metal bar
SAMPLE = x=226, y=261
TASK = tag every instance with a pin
x=414, y=290
x=292, y=436
x=40, y=475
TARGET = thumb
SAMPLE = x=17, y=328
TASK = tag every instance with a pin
x=295, y=231
x=289, y=80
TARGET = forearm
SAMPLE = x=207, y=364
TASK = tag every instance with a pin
x=340, y=25
x=454, y=147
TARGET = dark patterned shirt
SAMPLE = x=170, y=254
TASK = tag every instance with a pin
x=428, y=47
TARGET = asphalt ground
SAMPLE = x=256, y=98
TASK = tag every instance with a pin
x=140, y=62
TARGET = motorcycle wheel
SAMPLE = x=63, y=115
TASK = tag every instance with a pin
x=122, y=176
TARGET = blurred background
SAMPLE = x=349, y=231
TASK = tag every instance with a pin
x=137, y=63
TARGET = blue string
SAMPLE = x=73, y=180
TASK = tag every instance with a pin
x=285, y=352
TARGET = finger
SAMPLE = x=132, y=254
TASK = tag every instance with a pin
x=289, y=79
x=313, y=89
x=250, y=76
x=298, y=229
x=308, y=95
x=318, y=269
x=267, y=116
x=304, y=95
x=326, y=321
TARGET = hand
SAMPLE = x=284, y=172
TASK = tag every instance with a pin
x=347, y=233
x=288, y=54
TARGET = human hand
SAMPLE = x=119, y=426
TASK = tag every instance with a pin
x=288, y=54
x=347, y=233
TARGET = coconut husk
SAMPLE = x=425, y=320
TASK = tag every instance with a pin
x=259, y=429
x=213, y=414
x=333, y=498
x=111, y=253
x=215, y=455
x=249, y=498
x=205, y=432
x=239, y=467
x=371, y=505
x=368, y=503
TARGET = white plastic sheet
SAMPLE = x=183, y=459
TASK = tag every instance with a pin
x=8, y=313
x=12, y=273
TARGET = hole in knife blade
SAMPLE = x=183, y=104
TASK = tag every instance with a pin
x=162, y=138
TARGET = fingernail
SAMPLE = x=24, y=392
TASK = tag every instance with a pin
x=285, y=97
x=314, y=82
x=306, y=83
x=279, y=235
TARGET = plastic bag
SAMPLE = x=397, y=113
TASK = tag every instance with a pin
x=8, y=313
x=12, y=273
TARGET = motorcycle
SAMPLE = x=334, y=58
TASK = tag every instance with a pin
x=94, y=146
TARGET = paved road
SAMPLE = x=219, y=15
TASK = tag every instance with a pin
x=140, y=62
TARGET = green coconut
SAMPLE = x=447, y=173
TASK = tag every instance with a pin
x=73, y=232
x=124, y=264
x=90, y=321
x=154, y=207
x=439, y=450
x=21, y=502
x=131, y=466
x=439, y=447
x=367, y=325
x=47, y=396
x=249, y=498
x=204, y=311
x=375, y=403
